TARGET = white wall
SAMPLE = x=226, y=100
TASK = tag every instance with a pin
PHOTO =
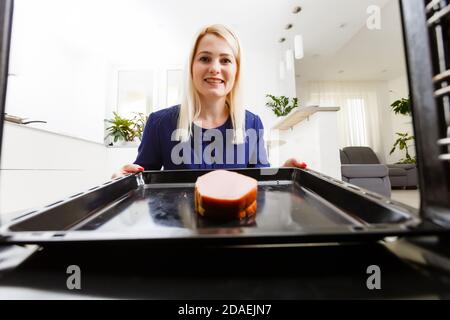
x=53, y=79
x=388, y=92
x=302, y=91
x=398, y=88
x=65, y=71
x=385, y=128
x=261, y=77
x=313, y=141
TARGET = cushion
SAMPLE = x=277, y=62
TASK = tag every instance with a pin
x=397, y=172
x=344, y=158
x=361, y=155
x=406, y=166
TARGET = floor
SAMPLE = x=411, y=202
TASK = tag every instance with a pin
x=409, y=197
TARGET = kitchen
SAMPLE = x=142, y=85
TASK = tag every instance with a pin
x=77, y=75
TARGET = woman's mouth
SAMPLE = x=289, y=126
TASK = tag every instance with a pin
x=214, y=81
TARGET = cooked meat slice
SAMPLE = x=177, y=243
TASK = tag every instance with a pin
x=222, y=194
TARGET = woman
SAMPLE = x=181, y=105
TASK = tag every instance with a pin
x=210, y=129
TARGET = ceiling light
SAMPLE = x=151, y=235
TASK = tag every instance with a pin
x=281, y=40
x=296, y=9
x=298, y=46
x=289, y=26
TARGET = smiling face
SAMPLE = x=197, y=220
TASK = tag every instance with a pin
x=214, y=67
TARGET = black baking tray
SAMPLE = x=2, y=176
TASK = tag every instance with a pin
x=157, y=207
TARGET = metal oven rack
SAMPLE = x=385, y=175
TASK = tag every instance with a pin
x=426, y=30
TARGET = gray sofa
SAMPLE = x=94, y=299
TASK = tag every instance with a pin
x=400, y=175
x=362, y=168
x=403, y=175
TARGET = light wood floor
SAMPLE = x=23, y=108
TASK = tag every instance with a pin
x=409, y=197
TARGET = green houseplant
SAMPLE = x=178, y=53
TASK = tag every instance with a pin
x=403, y=107
x=281, y=105
x=139, y=121
x=123, y=129
x=402, y=144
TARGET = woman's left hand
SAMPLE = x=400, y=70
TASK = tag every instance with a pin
x=294, y=163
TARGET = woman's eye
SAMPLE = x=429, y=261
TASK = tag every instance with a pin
x=204, y=59
x=226, y=60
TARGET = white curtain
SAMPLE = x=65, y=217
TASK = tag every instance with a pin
x=358, y=123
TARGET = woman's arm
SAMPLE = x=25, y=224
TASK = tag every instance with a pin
x=149, y=152
x=259, y=157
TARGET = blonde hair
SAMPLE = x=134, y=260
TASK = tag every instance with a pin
x=191, y=105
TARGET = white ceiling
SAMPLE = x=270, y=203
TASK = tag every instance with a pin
x=124, y=30
x=352, y=53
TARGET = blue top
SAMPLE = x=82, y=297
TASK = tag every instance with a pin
x=206, y=149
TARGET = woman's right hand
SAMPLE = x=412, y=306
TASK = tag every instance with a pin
x=128, y=168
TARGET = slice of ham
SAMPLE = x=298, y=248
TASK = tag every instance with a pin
x=222, y=194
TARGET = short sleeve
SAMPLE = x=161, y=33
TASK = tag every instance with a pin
x=149, y=151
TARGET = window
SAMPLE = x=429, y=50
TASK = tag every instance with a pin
x=356, y=114
x=134, y=92
x=174, y=81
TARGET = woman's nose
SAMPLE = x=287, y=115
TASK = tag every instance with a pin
x=214, y=68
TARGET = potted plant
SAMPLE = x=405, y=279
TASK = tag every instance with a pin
x=403, y=107
x=281, y=105
x=402, y=144
x=139, y=122
x=123, y=130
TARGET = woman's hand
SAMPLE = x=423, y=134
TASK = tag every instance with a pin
x=294, y=163
x=128, y=168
